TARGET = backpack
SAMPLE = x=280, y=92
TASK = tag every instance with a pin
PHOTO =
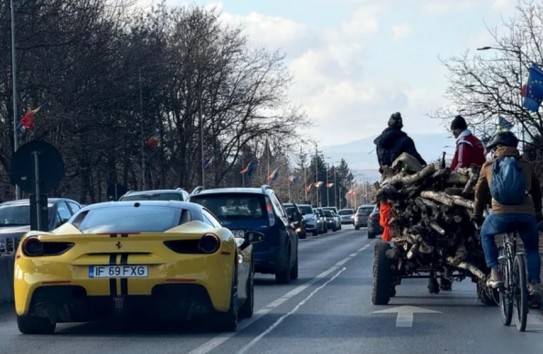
x=508, y=185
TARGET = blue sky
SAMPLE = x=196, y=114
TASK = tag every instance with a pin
x=354, y=62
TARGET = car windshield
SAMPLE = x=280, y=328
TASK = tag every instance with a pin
x=328, y=213
x=305, y=209
x=152, y=196
x=15, y=215
x=345, y=212
x=233, y=206
x=365, y=210
x=128, y=219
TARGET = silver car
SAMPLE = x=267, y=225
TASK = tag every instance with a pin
x=361, y=217
x=346, y=215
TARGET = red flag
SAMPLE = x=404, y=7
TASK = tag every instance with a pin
x=308, y=187
x=153, y=141
x=27, y=121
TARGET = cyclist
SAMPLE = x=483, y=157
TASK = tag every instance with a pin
x=524, y=217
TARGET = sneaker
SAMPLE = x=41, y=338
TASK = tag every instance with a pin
x=495, y=280
x=534, y=296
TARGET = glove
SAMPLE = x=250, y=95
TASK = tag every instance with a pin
x=478, y=219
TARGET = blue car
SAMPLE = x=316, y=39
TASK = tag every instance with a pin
x=242, y=209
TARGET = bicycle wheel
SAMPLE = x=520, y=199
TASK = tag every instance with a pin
x=506, y=299
x=520, y=301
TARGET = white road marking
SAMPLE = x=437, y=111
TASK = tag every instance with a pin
x=272, y=327
x=218, y=340
x=405, y=314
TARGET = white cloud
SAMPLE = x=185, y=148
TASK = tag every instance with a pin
x=439, y=7
x=401, y=31
x=501, y=5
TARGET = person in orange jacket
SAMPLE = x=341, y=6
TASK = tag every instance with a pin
x=385, y=215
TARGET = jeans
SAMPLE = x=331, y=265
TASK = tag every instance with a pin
x=527, y=227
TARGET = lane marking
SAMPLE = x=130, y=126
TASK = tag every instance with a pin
x=274, y=325
x=405, y=314
x=218, y=340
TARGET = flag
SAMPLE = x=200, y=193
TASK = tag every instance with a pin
x=249, y=169
x=209, y=162
x=350, y=193
x=318, y=184
x=329, y=185
x=533, y=90
x=27, y=121
x=504, y=124
x=153, y=142
x=308, y=187
x=273, y=176
x=292, y=179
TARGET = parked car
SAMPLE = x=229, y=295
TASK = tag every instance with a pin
x=361, y=216
x=296, y=218
x=346, y=215
x=165, y=259
x=322, y=226
x=156, y=194
x=310, y=218
x=243, y=209
x=15, y=219
x=374, y=228
x=333, y=208
x=332, y=222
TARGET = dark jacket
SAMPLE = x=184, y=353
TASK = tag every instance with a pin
x=392, y=143
x=532, y=202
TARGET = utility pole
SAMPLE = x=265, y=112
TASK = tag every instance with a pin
x=14, y=89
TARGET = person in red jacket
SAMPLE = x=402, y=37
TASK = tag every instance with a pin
x=469, y=149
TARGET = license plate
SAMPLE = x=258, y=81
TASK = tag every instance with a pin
x=118, y=271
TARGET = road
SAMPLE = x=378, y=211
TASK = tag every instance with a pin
x=327, y=310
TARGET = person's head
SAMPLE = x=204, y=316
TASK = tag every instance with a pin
x=395, y=120
x=458, y=125
x=506, y=138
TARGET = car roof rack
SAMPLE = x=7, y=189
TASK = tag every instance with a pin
x=264, y=187
x=196, y=190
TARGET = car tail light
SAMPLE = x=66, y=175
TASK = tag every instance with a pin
x=271, y=215
x=209, y=243
x=33, y=247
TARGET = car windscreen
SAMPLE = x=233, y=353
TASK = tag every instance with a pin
x=128, y=219
x=231, y=206
x=364, y=211
x=16, y=214
x=328, y=213
x=152, y=196
x=345, y=212
x=305, y=209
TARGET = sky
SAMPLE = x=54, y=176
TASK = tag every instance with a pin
x=355, y=62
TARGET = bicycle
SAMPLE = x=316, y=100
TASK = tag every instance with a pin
x=514, y=293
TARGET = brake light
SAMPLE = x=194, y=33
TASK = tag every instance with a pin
x=32, y=247
x=209, y=243
x=269, y=210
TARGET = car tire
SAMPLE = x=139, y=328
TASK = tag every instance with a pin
x=35, y=325
x=371, y=235
x=380, y=294
x=283, y=276
x=228, y=321
x=294, y=270
x=247, y=308
x=315, y=233
x=357, y=227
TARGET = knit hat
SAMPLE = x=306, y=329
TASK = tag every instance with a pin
x=459, y=123
x=395, y=120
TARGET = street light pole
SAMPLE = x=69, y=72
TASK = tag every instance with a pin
x=327, y=189
x=14, y=89
x=142, y=132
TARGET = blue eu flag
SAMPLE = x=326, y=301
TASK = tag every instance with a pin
x=533, y=91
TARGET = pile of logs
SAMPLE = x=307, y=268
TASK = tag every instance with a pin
x=431, y=228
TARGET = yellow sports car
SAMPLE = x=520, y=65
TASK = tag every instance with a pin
x=164, y=259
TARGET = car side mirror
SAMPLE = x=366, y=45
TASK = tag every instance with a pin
x=252, y=237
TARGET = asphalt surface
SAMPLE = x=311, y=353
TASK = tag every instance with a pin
x=327, y=310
